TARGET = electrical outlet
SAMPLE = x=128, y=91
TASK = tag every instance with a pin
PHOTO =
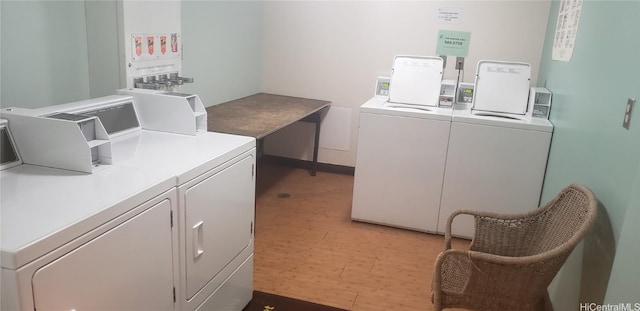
x=460, y=63
x=627, y=113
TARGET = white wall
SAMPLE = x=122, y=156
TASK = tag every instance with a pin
x=44, y=53
x=222, y=48
x=334, y=50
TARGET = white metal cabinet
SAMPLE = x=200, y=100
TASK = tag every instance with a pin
x=399, y=169
x=219, y=214
x=493, y=169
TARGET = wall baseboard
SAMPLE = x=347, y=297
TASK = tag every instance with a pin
x=305, y=164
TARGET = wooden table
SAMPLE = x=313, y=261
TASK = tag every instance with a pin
x=261, y=114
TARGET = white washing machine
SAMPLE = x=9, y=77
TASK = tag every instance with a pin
x=402, y=149
x=497, y=152
x=67, y=238
x=213, y=176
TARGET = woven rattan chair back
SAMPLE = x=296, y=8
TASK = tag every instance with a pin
x=513, y=258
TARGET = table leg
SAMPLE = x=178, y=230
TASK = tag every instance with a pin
x=259, y=148
x=316, y=142
x=315, y=119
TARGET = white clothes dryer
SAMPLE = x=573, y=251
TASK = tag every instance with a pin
x=212, y=176
x=215, y=182
x=215, y=179
x=62, y=230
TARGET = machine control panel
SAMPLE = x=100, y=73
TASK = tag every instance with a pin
x=465, y=93
x=382, y=86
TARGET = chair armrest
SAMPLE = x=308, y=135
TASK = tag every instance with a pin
x=495, y=219
x=458, y=263
x=455, y=268
x=460, y=273
x=447, y=230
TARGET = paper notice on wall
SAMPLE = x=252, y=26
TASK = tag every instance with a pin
x=453, y=43
x=449, y=15
x=154, y=46
x=566, y=29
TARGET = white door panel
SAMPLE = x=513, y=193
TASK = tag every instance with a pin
x=219, y=212
x=127, y=268
x=492, y=169
x=399, y=169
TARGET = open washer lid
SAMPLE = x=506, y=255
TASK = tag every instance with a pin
x=502, y=87
x=415, y=80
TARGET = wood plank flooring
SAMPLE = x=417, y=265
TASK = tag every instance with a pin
x=307, y=247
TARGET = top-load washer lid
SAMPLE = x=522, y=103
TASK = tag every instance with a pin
x=502, y=87
x=416, y=80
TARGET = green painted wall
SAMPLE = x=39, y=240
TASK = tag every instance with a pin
x=68, y=53
x=591, y=147
x=222, y=48
x=625, y=277
x=44, y=53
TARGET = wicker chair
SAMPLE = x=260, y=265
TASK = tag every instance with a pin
x=512, y=258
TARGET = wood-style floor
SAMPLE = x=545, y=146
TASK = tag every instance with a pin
x=307, y=247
